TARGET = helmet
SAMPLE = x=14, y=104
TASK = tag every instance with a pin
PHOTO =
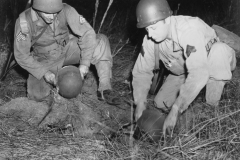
x=48, y=6
x=151, y=123
x=69, y=82
x=151, y=11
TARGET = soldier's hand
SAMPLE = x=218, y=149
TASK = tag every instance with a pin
x=140, y=108
x=50, y=78
x=83, y=70
x=170, y=121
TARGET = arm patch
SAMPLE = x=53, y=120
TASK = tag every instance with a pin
x=21, y=36
x=190, y=49
x=82, y=20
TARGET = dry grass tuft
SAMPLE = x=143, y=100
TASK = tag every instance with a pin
x=4, y=52
x=105, y=14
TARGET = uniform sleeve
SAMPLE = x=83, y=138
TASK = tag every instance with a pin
x=196, y=62
x=23, y=56
x=143, y=71
x=87, y=36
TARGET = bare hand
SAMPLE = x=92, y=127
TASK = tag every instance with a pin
x=140, y=108
x=170, y=121
x=50, y=77
x=83, y=70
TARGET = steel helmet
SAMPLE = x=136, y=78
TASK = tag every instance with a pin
x=151, y=11
x=48, y=6
x=69, y=82
x=151, y=124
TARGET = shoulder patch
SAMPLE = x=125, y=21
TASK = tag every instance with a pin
x=82, y=20
x=142, y=51
x=21, y=36
x=190, y=49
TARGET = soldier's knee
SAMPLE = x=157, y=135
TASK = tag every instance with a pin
x=159, y=102
x=102, y=51
x=103, y=39
x=218, y=49
x=37, y=89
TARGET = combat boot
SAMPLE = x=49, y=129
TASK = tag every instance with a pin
x=109, y=97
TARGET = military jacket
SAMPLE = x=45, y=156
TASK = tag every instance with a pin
x=183, y=53
x=48, y=49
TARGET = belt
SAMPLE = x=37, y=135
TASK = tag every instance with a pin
x=210, y=44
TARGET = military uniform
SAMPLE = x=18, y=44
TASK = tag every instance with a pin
x=68, y=40
x=195, y=58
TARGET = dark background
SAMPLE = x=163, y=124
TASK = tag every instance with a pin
x=121, y=20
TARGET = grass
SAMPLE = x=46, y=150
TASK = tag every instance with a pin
x=214, y=136
x=210, y=133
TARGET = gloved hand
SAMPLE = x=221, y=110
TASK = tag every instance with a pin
x=171, y=121
x=83, y=70
x=50, y=78
x=140, y=108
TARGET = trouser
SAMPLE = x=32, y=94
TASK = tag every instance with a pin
x=221, y=61
x=102, y=59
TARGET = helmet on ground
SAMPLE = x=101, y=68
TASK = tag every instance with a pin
x=48, y=6
x=69, y=82
x=151, y=124
x=149, y=12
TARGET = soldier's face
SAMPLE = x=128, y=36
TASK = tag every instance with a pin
x=158, y=31
x=48, y=17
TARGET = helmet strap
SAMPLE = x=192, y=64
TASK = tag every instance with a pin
x=41, y=16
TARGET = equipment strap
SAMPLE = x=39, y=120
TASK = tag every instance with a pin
x=157, y=58
x=35, y=40
x=25, y=29
x=158, y=72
